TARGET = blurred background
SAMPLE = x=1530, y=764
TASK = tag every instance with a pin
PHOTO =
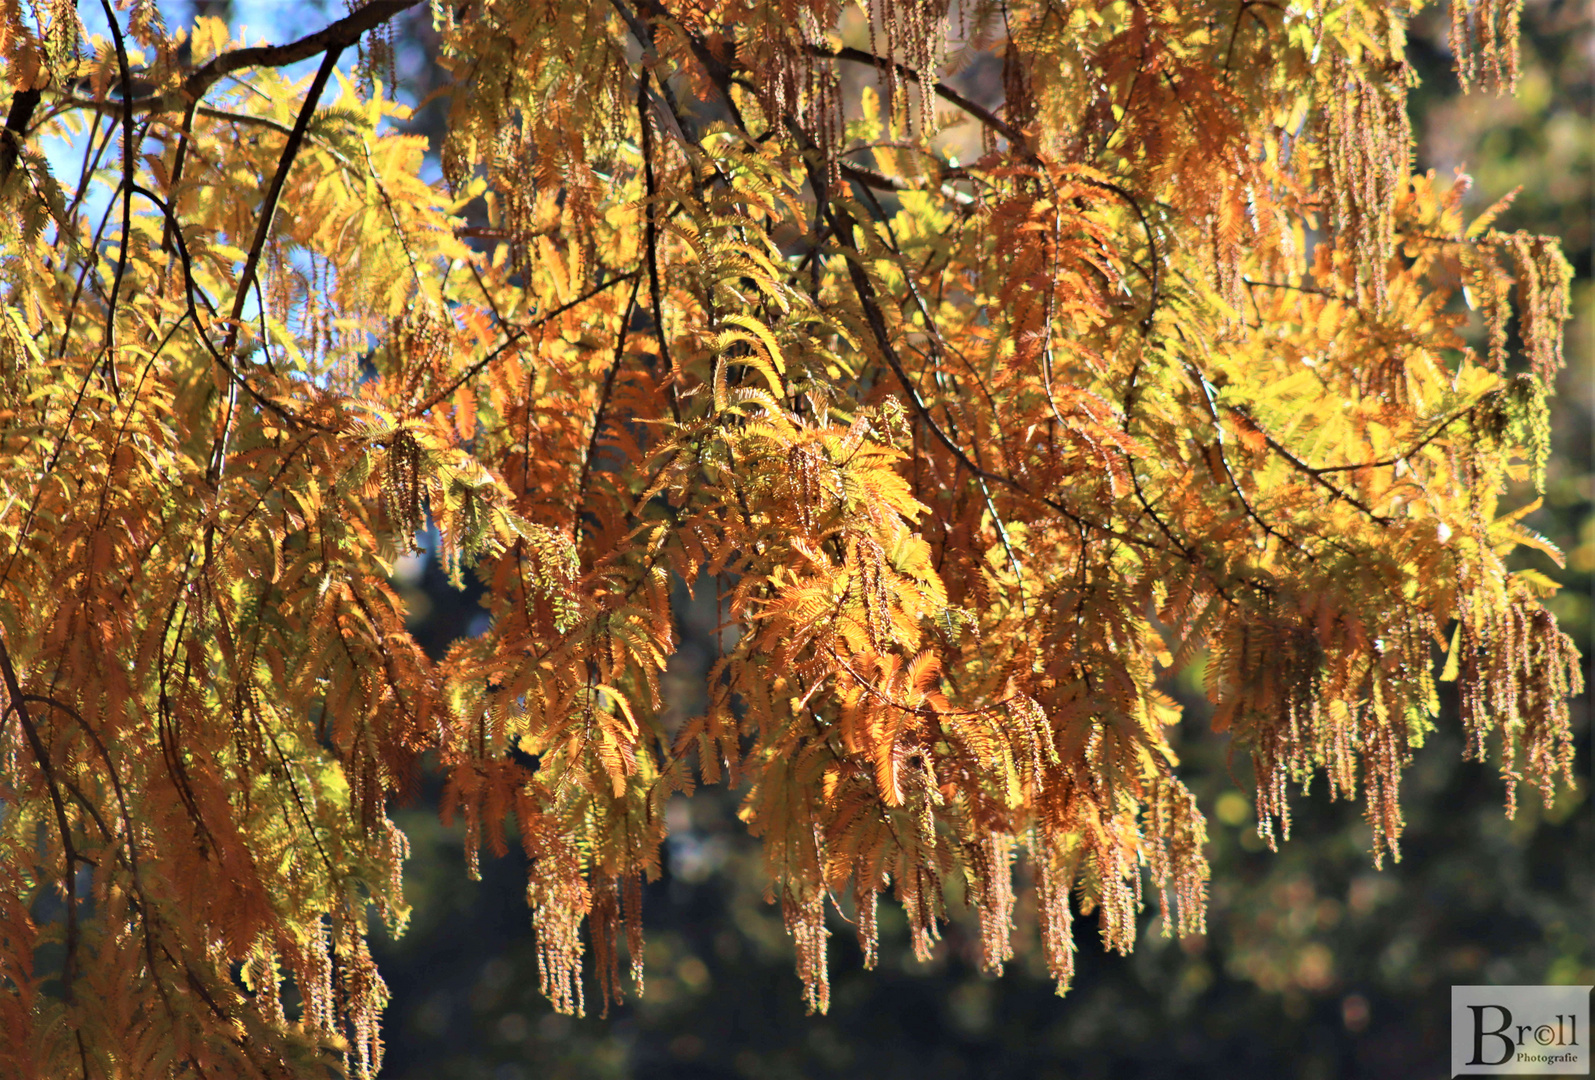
x=1315, y=965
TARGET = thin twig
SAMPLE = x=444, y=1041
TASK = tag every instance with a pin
x=517, y=333
x=128, y=165
x=651, y=244
x=286, y=415
x=942, y=90
x=335, y=37
x=1211, y=402
x=842, y=226
x=603, y=404
x=17, y=120
x=18, y=703
x=268, y=214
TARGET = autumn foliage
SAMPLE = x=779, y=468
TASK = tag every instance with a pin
x=1175, y=363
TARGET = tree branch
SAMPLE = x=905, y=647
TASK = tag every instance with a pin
x=651, y=242
x=268, y=213
x=335, y=38
x=128, y=165
x=517, y=334
x=603, y=405
x=1317, y=477
x=942, y=90
x=268, y=210
x=1324, y=470
x=842, y=226
x=18, y=702
x=17, y=120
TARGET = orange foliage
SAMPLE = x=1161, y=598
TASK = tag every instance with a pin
x=1173, y=367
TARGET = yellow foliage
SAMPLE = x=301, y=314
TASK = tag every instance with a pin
x=970, y=454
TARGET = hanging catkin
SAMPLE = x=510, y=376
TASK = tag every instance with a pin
x=1543, y=280
x=1019, y=99
x=919, y=892
x=805, y=921
x=1484, y=43
x=1057, y=919
x=992, y=862
x=559, y=904
x=821, y=111
x=363, y=995
x=867, y=903
x=1370, y=155
x=603, y=923
x=914, y=33
x=1178, y=833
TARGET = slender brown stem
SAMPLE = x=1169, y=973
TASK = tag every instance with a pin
x=842, y=226
x=129, y=162
x=268, y=214
x=603, y=405
x=18, y=703
x=17, y=120
x=268, y=210
x=516, y=334
x=651, y=244
x=942, y=90
x=334, y=38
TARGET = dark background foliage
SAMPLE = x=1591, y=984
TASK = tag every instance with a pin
x=1315, y=965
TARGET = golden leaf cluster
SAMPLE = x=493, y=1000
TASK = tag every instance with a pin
x=1170, y=365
